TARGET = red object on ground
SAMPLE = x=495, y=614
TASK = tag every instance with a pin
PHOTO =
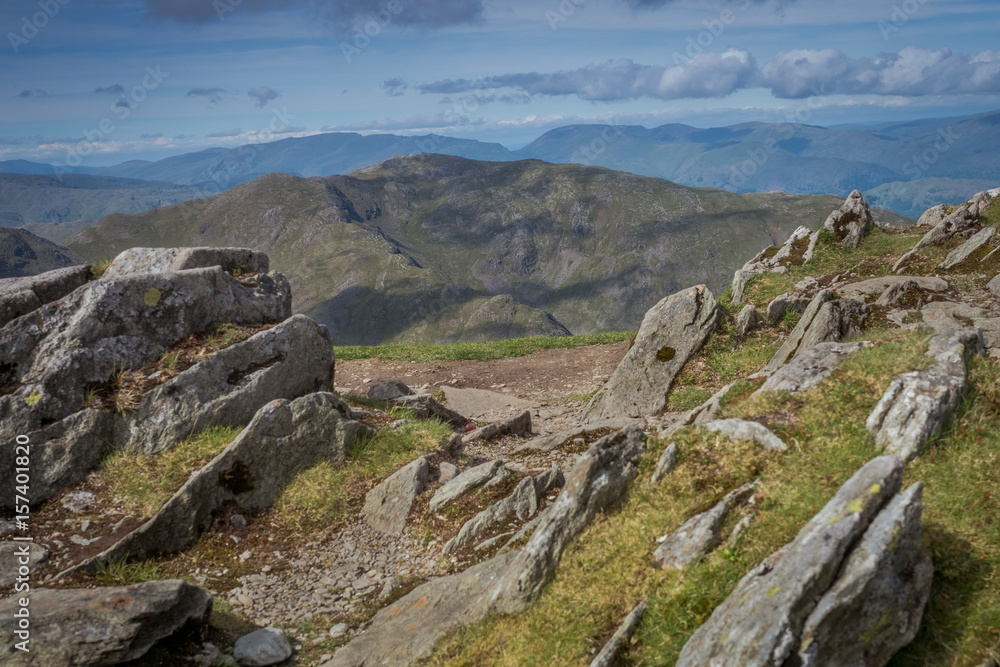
x=470, y=427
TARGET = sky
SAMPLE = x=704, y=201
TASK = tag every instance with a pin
x=99, y=82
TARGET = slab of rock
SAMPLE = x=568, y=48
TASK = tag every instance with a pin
x=964, y=251
x=608, y=657
x=880, y=594
x=283, y=438
x=762, y=619
x=863, y=288
x=783, y=303
x=387, y=390
x=916, y=405
x=670, y=333
x=739, y=429
x=893, y=294
x=666, y=463
x=19, y=296
x=699, y=534
x=826, y=319
x=748, y=320
x=136, y=261
x=599, y=479
x=470, y=480
x=851, y=221
x=946, y=317
x=388, y=504
x=809, y=368
x=948, y=225
x=797, y=250
x=19, y=558
x=427, y=407
x=100, y=626
x=519, y=425
x=994, y=285
x=290, y=360
x=546, y=443
x=483, y=404
x=266, y=646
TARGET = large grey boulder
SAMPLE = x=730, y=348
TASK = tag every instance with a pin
x=809, y=368
x=699, y=534
x=597, y=481
x=783, y=303
x=470, y=480
x=116, y=323
x=19, y=296
x=262, y=647
x=917, y=405
x=739, y=429
x=283, y=438
x=851, y=221
x=100, y=626
x=672, y=331
x=388, y=504
x=964, y=251
x=880, y=594
x=826, y=319
x=387, y=390
x=290, y=360
x=136, y=261
x=762, y=620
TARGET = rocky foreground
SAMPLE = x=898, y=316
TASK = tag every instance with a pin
x=486, y=522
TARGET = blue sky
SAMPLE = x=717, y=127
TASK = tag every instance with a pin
x=103, y=81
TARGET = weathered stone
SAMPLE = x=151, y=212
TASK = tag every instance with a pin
x=598, y=479
x=797, y=250
x=666, y=463
x=388, y=504
x=266, y=646
x=482, y=404
x=824, y=320
x=851, y=221
x=100, y=626
x=290, y=360
x=864, y=288
x=14, y=555
x=964, y=251
x=387, y=390
x=136, y=261
x=738, y=429
x=699, y=534
x=783, y=303
x=916, y=405
x=747, y=320
x=950, y=225
x=946, y=317
x=427, y=408
x=893, y=294
x=761, y=620
x=546, y=443
x=111, y=324
x=79, y=502
x=608, y=657
x=283, y=438
x=519, y=425
x=670, y=333
x=19, y=296
x=702, y=414
x=809, y=368
x=880, y=594
x=447, y=471
x=471, y=479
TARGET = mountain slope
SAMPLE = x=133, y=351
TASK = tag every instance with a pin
x=25, y=254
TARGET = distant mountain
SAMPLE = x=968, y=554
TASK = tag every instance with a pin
x=433, y=248
x=47, y=203
x=25, y=254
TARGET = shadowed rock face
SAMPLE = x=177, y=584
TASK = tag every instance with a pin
x=671, y=332
x=851, y=221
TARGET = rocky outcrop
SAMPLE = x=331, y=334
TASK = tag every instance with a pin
x=426, y=407
x=547, y=443
x=671, y=332
x=826, y=319
x=519, y=425
x=994, y=285
x=916, y=405
x=666, y=463
x=895, y=293
x=747, y=320
x=388, y=504
x=608, y=656
x=18, y=558
x=262, y=647
x=864, y=288
x=797, y=250
x=283, y=438
x=292, y=359
x=387, y=390
x=948, y=225
x=739, y=429
x=851, y=221
x=19, y=296
x=784, y=303
x=966, y=250
x=699, y=534
x=832, y=569
x=468, y=481
x=137, y=261
x=101, y=626
x=809, y=368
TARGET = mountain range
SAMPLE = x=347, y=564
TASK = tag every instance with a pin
x=434, y=248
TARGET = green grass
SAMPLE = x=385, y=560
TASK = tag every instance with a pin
x=144, y=482
x=609, y=568
x=120, y=573
x=685, y=398
x=501, y=349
